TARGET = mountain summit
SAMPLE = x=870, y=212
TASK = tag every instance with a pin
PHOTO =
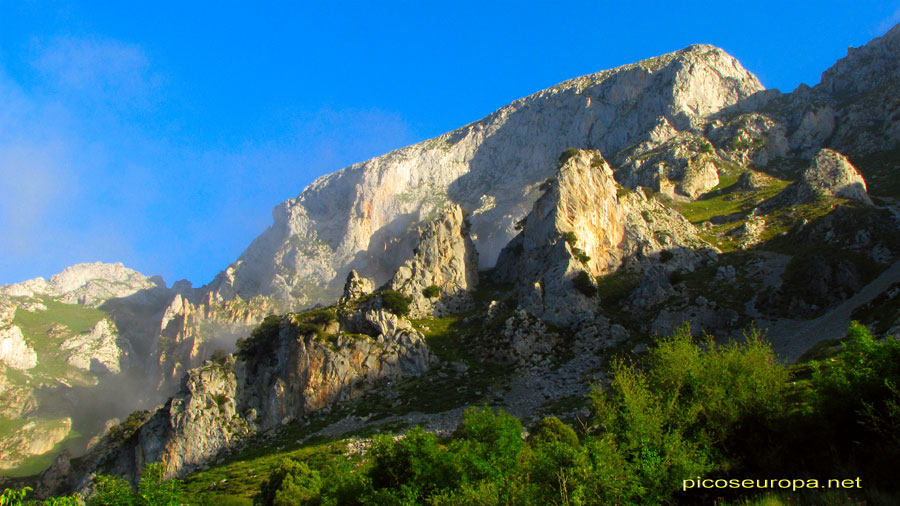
x=364, y=217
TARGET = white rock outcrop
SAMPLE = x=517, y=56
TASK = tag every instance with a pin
x=832, y=174
x=15, y=352
x=90, y=284
x=99, y=351
x=445, y=259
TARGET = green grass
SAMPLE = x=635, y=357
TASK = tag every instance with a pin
x=443, y=335
x=244, y=477
x=39, y=329
x=34, y=465
x=10, y=425
x=725, y=199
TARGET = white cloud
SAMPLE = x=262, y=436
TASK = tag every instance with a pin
x=103, y=69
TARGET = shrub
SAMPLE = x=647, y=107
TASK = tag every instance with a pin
x=13, y=497
x=676, y=418
x=432, y=291
x=395, y=302
x=321, y=316
x=863, y=379
x=571, y=238
x=292, y=484
x=583, y=283
x=262, y=340
x=111, y=491
x=72, y=500
x=565, y=155
x=551, y=430
x=665, y=256
x=489, y=444
x=155, y=490
x=414, y=468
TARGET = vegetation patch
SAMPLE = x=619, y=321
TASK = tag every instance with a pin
x=565, y=155
x=46, y=330
x=432, y=291
x=584, y=284
x=262, y=342
x=395, y=302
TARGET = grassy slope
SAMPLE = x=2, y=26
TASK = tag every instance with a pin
x=45, y=330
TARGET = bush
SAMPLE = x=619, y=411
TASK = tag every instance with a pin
x=262, y=340
x=413, y=468
x=551, y=430
x=565, y=155
x=584, y=284
x=489, y=444
x=666, y=255
x=13, y=497
x=111, y=491
x=292, y=484
x=395, y=302
x=677, y=418
x=432, y=291
x=155, y=490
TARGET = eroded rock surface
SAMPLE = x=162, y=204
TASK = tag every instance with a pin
x=445, y=262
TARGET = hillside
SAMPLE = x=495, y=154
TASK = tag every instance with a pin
x=504, y=263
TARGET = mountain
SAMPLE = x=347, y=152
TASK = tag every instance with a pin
x=506, y=261
x=364, y=217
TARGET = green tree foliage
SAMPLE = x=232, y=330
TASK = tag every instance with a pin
x=292, y=484
x=395, y=302
x=489, y=443
x=432, y=291
x=153, y=490
x=262, y=340
x=411, y=470
x=673, y=419
x=11, y=497
x=552, y=430
x=112, y=491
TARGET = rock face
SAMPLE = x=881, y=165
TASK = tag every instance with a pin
x=89, y=284
x=35, y=437
x=683, y=165
x=586, y=223
x=365, y=217
x=99, y=351
x=356, y=287
x=190, y=333
x=832, y=174
x=294, y=370
x=14, y=351
x=445, y=262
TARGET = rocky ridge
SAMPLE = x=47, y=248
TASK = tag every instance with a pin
x=443, y=270
x=364, y=217
x=688, y=194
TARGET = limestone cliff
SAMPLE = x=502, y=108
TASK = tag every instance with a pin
x=443, y=269
x=586, y=225
x=288, y=367
x=365, y=217
x=89, y=284
x=190, y=333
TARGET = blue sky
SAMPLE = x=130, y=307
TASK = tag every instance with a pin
x=161, y=135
